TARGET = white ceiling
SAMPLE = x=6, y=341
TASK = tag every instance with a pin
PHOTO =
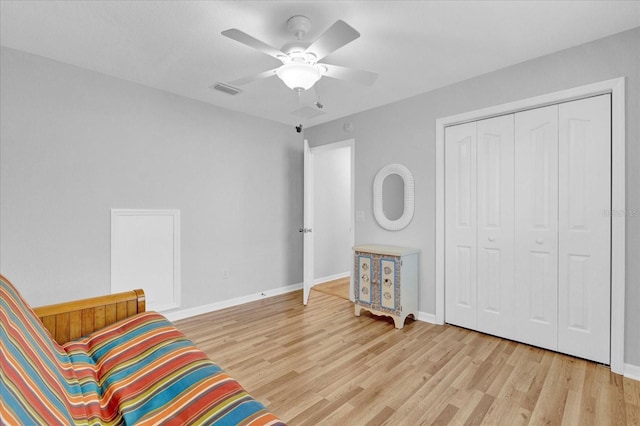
x=415, y=46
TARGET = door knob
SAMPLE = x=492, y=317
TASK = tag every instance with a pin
x=539, y=240
x=492, y=238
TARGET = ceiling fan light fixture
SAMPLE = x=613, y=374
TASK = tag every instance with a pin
x=299, y=76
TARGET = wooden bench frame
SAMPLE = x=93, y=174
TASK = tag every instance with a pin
x=70, y=320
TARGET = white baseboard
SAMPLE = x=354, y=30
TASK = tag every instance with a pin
x=632, y=371
x=425, y=317
x=199, y=310
x=331, y=278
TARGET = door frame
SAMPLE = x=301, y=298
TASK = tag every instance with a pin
x=309, y=201
x=614, y=86
x=307, y=224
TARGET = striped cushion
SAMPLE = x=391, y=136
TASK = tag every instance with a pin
x=141, y=370
x=37, y=380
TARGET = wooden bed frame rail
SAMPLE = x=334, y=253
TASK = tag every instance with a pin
x=70, y=320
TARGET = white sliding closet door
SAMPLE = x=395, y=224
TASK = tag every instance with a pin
x=536, y=226
x=585, y=228
x=495, y=225
x=460, y=224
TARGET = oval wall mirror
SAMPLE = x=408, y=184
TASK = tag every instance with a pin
x=393, y=197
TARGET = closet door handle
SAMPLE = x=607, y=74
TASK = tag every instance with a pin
x=492, y=238
x=539, y=241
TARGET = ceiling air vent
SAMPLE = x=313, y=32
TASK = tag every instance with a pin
x=229, y=90
x=307, y=112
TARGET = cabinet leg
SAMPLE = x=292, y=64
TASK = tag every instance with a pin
x=357, y=310
x=399, y=322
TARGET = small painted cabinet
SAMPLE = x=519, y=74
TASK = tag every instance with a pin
x=386, y=279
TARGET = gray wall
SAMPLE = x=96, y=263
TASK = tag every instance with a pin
x=404, y=132
x=75, y=144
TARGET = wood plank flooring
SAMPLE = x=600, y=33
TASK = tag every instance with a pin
x=321, y=365
x=339, y=287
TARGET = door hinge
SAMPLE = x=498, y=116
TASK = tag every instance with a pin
x=304, y=230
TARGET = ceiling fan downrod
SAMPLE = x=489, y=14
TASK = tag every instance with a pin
x=299, y=26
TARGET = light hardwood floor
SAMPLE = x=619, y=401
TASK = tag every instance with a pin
x=339, y=287
x=321, y=365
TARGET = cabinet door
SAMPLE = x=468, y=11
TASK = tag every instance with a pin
x=388, y=283
x=364, y=279
x=585, y=228
x=460, y=225
x=536, y=227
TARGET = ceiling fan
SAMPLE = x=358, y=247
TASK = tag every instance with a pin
x=300, y=68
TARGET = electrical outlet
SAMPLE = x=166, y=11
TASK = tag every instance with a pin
x=225, y=274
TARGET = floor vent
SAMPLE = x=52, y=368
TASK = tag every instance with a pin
x=229, y=90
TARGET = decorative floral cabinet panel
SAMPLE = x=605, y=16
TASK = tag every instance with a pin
x=386, y=281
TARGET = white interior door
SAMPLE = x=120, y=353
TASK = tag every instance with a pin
x=307, y=227
x=536, y=226
x=585, y=228
x=460, y=225
x=495, y=225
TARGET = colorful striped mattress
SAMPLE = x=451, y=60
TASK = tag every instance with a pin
x=141, y=371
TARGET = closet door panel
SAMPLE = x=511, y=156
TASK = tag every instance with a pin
x=585, y=228
x=495, y=225
x=460, y=225
x=536, y=227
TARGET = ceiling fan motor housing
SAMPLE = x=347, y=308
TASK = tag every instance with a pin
x=296, y=49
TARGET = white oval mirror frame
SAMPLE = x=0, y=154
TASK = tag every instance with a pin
x=378, y=212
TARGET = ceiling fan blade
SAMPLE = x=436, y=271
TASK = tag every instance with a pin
x=332, y=39
x=251, y=41
x=244, y=80
x=366, y=78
